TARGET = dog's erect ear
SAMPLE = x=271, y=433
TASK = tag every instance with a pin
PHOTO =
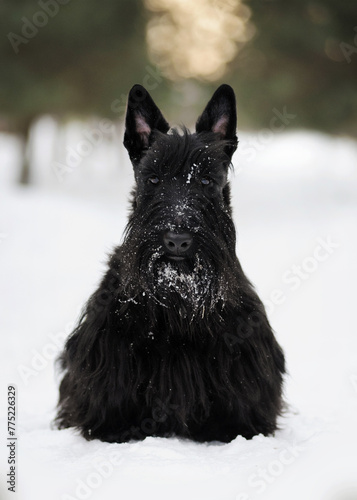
x=142, y=118
x=220, y=116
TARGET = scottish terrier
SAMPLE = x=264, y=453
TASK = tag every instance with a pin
x=175, y=341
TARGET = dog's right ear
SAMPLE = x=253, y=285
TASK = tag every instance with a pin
x=142, y=118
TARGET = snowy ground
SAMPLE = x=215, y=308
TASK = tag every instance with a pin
x=295, y=204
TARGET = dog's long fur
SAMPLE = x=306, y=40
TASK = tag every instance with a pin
x=174, y=348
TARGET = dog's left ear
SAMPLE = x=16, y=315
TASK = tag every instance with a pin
x=142, y=118
x=220, y=117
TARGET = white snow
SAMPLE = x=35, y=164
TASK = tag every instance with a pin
x=295, y=206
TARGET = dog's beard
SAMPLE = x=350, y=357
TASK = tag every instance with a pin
x=192, y=286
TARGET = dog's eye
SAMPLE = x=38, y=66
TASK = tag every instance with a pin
x=154, y=180
x=205, y=181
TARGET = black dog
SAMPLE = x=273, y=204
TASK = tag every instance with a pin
x=175, y=341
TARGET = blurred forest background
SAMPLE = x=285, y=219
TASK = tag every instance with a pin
x=78, y=59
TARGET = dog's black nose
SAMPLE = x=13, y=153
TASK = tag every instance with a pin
x=177, y=243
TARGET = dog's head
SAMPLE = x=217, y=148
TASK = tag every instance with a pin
x=180, y=233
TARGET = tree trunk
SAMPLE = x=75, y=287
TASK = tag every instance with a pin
x=23, y=128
